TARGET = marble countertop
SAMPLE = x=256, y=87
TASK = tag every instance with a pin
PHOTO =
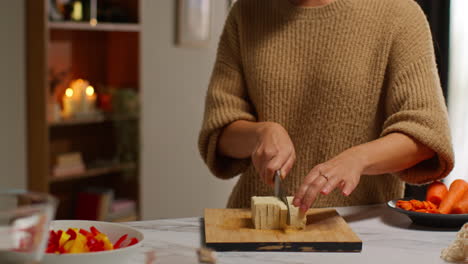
x=388, y=237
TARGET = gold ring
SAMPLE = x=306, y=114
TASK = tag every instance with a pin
x=323, y=175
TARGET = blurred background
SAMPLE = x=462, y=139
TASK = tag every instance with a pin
x=102, y=101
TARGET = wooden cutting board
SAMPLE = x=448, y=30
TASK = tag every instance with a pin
x=233, y=230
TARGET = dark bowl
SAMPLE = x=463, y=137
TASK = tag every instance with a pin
x=432, y=220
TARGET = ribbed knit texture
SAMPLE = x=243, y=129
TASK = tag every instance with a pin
x=335, y=77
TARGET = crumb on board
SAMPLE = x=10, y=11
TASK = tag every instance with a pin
x=206, y=255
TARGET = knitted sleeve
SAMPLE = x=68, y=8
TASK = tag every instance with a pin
x=414, y=103
x=226, y=101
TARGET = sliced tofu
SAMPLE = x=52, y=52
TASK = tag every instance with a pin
x=283, y=215
x=263, y=215
x=297, y=219
x=255, y=216
x=268, y=212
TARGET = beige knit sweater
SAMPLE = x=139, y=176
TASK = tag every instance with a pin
x=334, y=76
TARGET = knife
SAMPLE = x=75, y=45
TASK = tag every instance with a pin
x=280, y=193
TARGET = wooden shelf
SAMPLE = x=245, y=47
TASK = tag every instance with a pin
x=124, y=27
x=94, y=120
x=128, y=218
x=93, y=172
x=107, y=55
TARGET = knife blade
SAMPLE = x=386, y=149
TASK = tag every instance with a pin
x=280, y=192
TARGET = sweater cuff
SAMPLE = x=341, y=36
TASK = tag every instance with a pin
x=429, y=170
x=221, y=166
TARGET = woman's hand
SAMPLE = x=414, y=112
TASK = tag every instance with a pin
x=343, y=171
x=273, y=151
x=391, y=153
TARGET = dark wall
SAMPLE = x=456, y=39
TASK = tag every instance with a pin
x=438, y=15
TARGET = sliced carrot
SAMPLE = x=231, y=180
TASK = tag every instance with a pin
x=462, y=206
x=432, y=206
x=417, y=204
x=456, y=191
x=436, y=192
x=405, y=205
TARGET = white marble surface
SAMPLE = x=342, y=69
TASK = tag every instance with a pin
x=388, y=237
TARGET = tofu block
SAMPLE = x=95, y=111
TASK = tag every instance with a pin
x=269, y=212
x=297, y=219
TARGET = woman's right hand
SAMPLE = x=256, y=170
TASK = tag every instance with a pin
x=273, y=151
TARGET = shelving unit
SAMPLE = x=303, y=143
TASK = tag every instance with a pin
x=94, y=120
x=94, y=172
x=115, y=27
x=107, y=55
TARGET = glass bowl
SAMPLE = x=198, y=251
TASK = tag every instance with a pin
x=24, y=225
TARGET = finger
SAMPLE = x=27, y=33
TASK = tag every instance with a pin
x=311, y=194
x=266, y=176
x=348, y=188
x=276, y=163
x=287, y=166
x=313, y=174
x=257, y=159
x=331, y=184
x=265, y=158
x=341, y=185
x=256, y=163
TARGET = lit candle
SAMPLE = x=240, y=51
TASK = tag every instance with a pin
x=90, y=100
x=79, y=88
x=84, y=97
x=68, y=103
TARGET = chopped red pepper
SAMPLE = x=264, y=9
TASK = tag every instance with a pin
x=119, y=242
x=52, y=245
x=133, y=241
x=86, y=233
x=92, y=243
x=94, y=230
x=62, y=250
x=81, y=241
x=72, y=234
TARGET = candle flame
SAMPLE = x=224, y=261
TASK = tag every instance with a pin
x=69, y=92
x=89, y=90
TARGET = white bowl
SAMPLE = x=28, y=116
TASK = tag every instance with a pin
x=113, y=231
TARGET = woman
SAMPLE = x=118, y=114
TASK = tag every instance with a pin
x=337, y=94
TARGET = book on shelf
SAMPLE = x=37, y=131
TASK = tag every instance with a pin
x=94, y=204
x=122, y=210
x=68, y=164
x=126, y=218
x=99, y=204
x=122, y=205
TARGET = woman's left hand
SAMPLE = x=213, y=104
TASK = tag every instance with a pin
x=343, y=171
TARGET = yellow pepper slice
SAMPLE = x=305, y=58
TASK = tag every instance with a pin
x=79, y=245
x=107, y=244
x=63, y=239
